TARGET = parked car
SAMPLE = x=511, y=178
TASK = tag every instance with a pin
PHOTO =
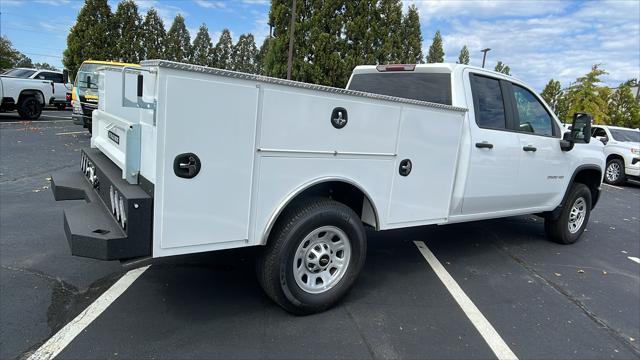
x=622, y=150
x=188, y=159
x=28, y=96
x=84, y=95
x=60, y=84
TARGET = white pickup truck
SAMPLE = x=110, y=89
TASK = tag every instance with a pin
x=28, y=96
x=188, y=159
x=61, y=86
x=622, y=151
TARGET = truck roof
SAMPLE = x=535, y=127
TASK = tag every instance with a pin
x=37, y=69
x=428, y=68
x=615, y=127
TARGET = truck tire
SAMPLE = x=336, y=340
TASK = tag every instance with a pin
x=314, y=254
x=29, y=108
x=614, y=172
x=568, y=227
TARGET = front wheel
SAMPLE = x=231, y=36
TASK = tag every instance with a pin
x=313, y=256
x=29, y=108
x=568, y=227
x=614, y=173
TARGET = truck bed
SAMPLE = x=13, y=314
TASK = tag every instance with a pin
x=260, y=142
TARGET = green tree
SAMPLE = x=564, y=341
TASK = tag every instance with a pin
x=624, y=109
x=563, y=107
x=178, y=42
x=91, y=37
x=584, y=96
x=23, y=60
x=128, y=31
x=10, y=57
x=502, y=68
x=411, y=45
x=153, y=36
x=223, y=51
x=327, y=65
x=244, y=55
x=436, y=52
x=45, y=66
x=389, y=31
x=552, y=93
x=202, y=53
x=261, y=55
x=463, y=58
x=362, y=41
x=631, y=82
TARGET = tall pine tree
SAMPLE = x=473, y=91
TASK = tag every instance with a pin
x=202, y=51
x=91, y=37
x=360, y=22
x=223, y=51
x=261, y=55
x=178, y=41
x=411, y=45
x=463, y=58
x=551, y=94
x=502, y=68
x=436, y=52
x=127, y=25
x=624, y=109
x=327, y=46
x=244, y=55
x=153, y=36
x=389, y=31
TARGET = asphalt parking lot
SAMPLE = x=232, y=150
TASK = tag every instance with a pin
x=546, y=301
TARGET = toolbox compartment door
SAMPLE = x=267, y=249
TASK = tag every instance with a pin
x=215, y=119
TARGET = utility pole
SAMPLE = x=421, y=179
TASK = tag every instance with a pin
x=484, y=56
x=291, y=32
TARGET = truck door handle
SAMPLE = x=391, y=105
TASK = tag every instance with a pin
x=186, y=165
x=484, y=145
x=529, y=148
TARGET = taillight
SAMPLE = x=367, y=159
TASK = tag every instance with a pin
x=68, y=97
x=396, y=67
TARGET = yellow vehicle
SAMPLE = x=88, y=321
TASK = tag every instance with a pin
x=84, y=95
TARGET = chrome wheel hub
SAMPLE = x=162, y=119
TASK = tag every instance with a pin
x=577, y=215
x=321, y=259
x=613, y=172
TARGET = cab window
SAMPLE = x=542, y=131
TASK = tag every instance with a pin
x=488, y=102
x=532, y=116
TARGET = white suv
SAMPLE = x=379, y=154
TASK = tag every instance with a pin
x=622, y=149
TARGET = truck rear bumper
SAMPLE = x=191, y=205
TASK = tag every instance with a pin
x=92, y=228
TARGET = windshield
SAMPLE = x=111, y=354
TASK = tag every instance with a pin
x=625, y=135
x=20, y=73
x=432, y=87
x=87, y=80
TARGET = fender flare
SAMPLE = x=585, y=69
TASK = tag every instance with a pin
x=555, y=213
x=300, y=189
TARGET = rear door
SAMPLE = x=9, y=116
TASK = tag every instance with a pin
x=491, y=184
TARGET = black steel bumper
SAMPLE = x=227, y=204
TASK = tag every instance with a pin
x=94, y=229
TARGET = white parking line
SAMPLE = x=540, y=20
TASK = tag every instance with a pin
x=57, y=117
x=490, y=335
x=71, y=132
x=33, y=122
x=62, y=338
x=634, y=259
x=615, y=187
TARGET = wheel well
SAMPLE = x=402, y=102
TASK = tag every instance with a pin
x=338, y=190
x=615, y=156
x=592, y=178
x=28, y=93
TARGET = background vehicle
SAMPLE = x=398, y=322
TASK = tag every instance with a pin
x=622, y=150
x=188, y=159
x=84, y=95
x=61, y=86
x=28, y=96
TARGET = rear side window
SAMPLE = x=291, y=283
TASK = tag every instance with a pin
x=431, y=87
x=488, y=102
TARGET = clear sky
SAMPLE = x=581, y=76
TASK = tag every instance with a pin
x=538, y=39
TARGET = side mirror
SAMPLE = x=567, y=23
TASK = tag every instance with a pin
x=580, y=132
x=65, y=76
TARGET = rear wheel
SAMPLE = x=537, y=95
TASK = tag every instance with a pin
x=313, y=256
x=29, y=108
x=614, y=173
x=568, y=227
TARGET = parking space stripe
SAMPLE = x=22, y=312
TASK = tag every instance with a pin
x=62, y=338
x=634, y=259
x=615, y=187
x=486, y=330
